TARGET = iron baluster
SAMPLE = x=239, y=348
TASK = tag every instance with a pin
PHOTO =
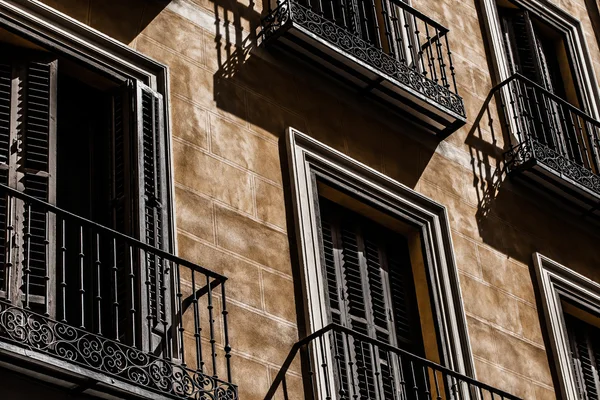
x=81, y=279
x=438, y=392
x=386, y=17
x=98, y=285
x=426, y=390
x=63, y=268
x=10, y=240
x=27, y=269
x=47, y=264
x=410, y=40
x=149, y=312
x=180, y=327
x=418, y=44
x=376, y=40
x=115, y=289
x=430, y=58
x=227, y=345
x=440, y=57
x=197, y=329
x=132, y=292
x=325, y=369
x=213, y=348
x=450, y=64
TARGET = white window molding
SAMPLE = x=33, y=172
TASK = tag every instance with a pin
x=556, y=281
x=308, y=158
x=575, y=41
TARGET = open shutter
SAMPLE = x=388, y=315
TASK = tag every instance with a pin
x=520, y=44
x=585, y=349
x=152, y=197
x=5, y=117
x=27, y=163
x=39, y=145
x=121, y=213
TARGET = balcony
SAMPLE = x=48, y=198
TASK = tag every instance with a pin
x=342, y=364
x=384, y=49
x=81, y=304
x=552, y=143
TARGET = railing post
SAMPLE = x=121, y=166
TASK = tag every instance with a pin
x=227, y=346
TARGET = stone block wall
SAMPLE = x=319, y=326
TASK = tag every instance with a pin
x=229, y=107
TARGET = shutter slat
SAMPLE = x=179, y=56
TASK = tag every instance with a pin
x=38, y=125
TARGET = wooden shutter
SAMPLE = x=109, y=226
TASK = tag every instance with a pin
x=151, y=200
x=39, y=159
x=27, y=163
x=367, y=292
x=5, y=117
x=585, y=352
x=121, y=212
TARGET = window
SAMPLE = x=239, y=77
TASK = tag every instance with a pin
x=571, y=308
x=584, y=342
x=92, y=144
x=541, y=41
x=376, y=258
x=537, y=51
x=370, y=289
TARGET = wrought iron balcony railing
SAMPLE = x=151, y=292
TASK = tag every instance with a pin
x=386, y=48
x=342, y=364
x=551, y=141
x=83, y=295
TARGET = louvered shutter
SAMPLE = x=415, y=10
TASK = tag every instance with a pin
x=151, y=169
x=520, y=44
x=367, y=292
x=5, y=117
x=38, y=155
x=585, y=353
x=121, y=211
x=27, y=162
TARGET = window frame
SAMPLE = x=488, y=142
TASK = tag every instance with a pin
x=575, y=42
x=308, y=157
x=554, y=282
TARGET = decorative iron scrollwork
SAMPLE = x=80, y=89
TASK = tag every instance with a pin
x=533, y=150
x=37, y=332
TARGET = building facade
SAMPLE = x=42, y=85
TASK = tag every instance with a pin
x=288, y=199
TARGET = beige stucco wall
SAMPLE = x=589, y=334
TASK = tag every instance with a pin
x=229, y=110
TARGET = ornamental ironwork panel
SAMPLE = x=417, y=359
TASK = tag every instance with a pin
x=100, y=302
x=397, y=41
x=71, y=344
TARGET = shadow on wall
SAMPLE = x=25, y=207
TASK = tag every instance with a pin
x=593, y=10
x=515, y=218
x=123, y=20
x=283, y=91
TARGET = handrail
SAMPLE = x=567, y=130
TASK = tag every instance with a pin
x=518, y=76
x=338, y=328
x=420, y=15
x=161, y=253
